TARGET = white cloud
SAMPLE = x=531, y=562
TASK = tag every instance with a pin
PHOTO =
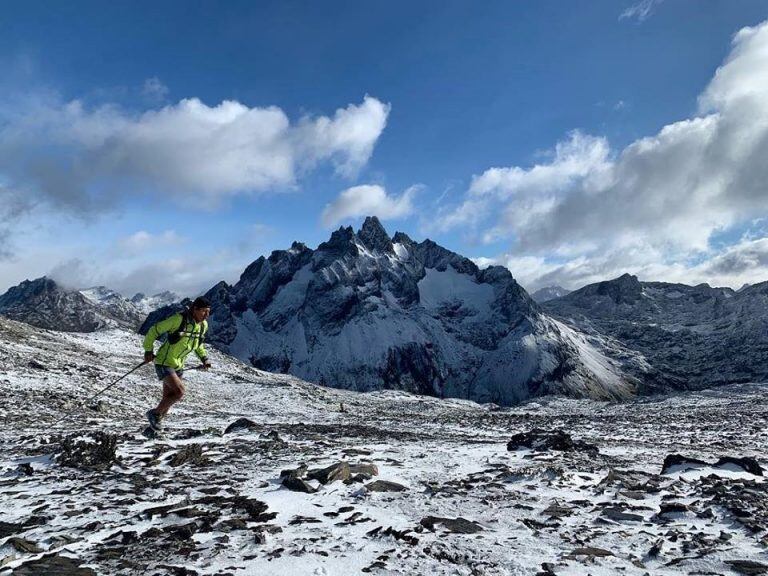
x=368, y=200
x=661, y=199
x=143, y=240
x=640, y=11
x=74, y=157
x=154, y=89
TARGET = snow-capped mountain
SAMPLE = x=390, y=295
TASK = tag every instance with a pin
x=549, y=293
x=45, y=304
x=367, y=312
x=147, y=304
x=697, y=335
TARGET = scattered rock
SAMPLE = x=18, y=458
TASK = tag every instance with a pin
x=35, y=365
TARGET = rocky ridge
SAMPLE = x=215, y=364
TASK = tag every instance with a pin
x=695, y=336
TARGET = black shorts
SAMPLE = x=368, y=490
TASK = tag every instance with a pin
x=163, y=371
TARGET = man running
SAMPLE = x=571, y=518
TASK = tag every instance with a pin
x=186, y=332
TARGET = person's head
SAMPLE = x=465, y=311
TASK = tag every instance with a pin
x=201, y=309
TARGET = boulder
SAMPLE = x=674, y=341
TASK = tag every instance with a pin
x=542, y=440
x=241, y=424
x=339, y=471
x=92, y=450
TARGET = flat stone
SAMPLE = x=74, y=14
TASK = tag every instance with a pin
x=385, y=486
x=456, y=525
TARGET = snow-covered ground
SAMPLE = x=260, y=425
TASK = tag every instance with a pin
x=546, y=512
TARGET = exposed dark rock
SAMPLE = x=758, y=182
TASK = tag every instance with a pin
x=748, y=567
x=296, y=484
x=191, y=454
x=53, y=565
x=23, y=545
x=92, y=450
x=340, y=471
x=241, y=424
x=683, y=462
x=747, y=463
x=456, y=525
x=541, y=440
x=385, y=486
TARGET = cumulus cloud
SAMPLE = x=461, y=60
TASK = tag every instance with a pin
x=661, y=198
x=368, y=200
x=76, y=157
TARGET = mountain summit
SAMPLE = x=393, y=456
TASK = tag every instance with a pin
x=365, y=311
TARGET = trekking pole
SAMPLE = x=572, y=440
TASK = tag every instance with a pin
x=102, y=391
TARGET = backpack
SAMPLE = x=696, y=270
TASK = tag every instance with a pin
x=175, y=336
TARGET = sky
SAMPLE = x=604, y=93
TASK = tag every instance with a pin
x=151, y=146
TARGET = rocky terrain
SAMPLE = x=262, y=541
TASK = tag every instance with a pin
x=695, y=336
x=266, y=474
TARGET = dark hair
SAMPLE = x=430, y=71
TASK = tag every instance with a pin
x=201, y=302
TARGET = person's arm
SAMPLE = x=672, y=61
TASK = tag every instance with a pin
x=200, y=349
x=168, y=325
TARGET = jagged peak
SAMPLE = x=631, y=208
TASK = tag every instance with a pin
x=374, y=236
x=402, y=238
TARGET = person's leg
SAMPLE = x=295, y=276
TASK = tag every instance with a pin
x=173, y=391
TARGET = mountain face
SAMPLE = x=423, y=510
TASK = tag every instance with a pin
x=549, y=293
x=696, y=336
x=45, y=304
x=365, y=311
x=147, y=304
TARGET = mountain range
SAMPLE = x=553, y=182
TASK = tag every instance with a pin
x=46, y=304
x=365, y=311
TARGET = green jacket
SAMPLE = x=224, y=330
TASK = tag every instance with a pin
x=191, y=338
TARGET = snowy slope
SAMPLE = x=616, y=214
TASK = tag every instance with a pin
x=468, y=504
x=366, y=312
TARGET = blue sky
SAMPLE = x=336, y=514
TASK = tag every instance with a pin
x=167, y=145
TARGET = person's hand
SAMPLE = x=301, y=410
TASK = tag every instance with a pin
x=148, y=356
x=206, y=365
